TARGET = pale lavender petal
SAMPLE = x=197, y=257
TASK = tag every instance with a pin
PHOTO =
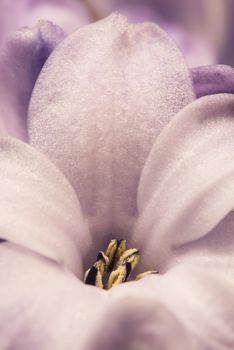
x=215, y=249
x=39, y=209
x=189, y=307
x=22, y=57
x=137, y=322
x=43, y=306
x=101, y=100
x=199, y=297
x=186, y=187
x=210, y=80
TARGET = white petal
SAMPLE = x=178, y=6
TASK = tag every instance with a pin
x=189, y=307
x=137, y=322
x=214, y=249
x=43, y=306
x=100, y=101
x=38, y=208
x=187, y=184
x=200, y=298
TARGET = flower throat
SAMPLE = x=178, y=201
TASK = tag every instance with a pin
x=115, y=265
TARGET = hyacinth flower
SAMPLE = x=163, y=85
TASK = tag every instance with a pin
x=104, y=140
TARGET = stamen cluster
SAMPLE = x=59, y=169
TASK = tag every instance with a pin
x=117, y=263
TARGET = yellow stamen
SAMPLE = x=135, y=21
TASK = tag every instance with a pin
x=116, y=260
x=114, y=250
x=144, y=274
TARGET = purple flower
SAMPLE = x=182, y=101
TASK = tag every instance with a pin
x=119, y=147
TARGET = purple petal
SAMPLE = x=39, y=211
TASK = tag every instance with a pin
x=23, y=55
x=186, y=187
x=211, y=80
x=38, y=208
x=97, y=107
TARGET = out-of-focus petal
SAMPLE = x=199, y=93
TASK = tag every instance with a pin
x=186, y=187
x=199, y=297
x=68, y=14
x=22, y=57
x=135, y=322
x=43, y=306
x=210, y=80
x=39, y=209
x=189, y=307
x=198, y=29
x=101, y=100
x=195, y=49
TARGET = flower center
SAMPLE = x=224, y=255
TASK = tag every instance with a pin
x=114, y=266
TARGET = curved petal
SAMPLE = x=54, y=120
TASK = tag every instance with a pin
x=216, y=248
x=23, y=55
x=100, y=101
x=139, y=323
x=43, y=306
x=38, y=208
x=199, y=297
x=189, y=307
x=211, y=80
x=186, y=187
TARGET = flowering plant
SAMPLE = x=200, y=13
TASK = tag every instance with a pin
x=107, y=134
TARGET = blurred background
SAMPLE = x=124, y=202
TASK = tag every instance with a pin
x=203, y=29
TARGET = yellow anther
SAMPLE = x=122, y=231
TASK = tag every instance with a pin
x=131, y=256
x=144, y=274
x=102, y=262
x=116, y=260
x=94, y=275
x=119, y=275
x=126, y=264
x=114, y=250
